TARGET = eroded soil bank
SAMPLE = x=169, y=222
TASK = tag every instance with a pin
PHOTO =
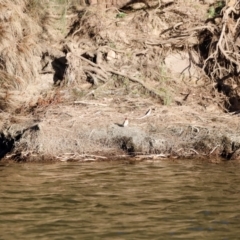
x=66, y=90
x=94, y=132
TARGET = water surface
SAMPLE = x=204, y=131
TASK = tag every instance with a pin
x=150, y=200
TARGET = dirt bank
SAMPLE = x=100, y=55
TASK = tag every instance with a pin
x=94, y=66
x=93, y=131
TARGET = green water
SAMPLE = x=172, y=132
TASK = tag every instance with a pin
x=150, y=200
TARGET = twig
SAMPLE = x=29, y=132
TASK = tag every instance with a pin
x=91, y=133
x=193, y=150
x=214, y=149
x=193, y=127
x=90, y=103
x=94, y=156
x=100, y=74
x=91, y=63
x=133, y=79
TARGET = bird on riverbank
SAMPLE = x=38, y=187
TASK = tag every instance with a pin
x=125, y=123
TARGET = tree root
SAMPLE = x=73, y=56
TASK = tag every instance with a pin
x=133, y=79
x=97, y=71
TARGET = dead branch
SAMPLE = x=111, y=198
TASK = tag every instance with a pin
x=99, y=73
x=90, y=103
x=133, y=79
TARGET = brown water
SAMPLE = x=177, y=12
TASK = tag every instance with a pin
x=151, y=200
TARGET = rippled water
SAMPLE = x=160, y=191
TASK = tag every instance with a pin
x=150, y=200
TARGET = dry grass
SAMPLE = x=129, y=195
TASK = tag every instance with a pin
x=80, y=130
x=27, y=27
x=19, y=48
x=19, y=42
x=117, y=42
x=116, y=50
x=123, y=53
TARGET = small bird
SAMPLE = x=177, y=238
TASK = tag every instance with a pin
x=125, y=123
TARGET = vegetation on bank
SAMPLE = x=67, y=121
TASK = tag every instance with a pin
x=42, y=31
x=65, y=51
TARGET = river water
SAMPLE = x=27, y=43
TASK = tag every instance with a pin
x=148, y=200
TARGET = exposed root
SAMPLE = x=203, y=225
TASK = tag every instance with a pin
x=150, y=90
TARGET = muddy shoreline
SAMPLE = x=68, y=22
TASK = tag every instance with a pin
x=90, y=133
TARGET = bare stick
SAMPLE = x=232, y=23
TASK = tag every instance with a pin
x=90, y=103
x=214, y=149
x=133, y=79
x=193, y=150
